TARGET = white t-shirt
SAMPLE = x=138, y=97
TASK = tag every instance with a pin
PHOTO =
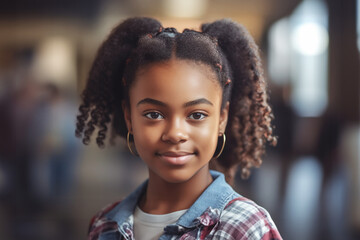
x=151, y=226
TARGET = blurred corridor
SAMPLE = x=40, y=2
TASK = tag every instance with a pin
x=51, y=184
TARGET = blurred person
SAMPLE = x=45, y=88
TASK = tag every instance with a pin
x=334, y=190
x=58, y=149
x=171, y=95
x=19, y=109
x=38, y=155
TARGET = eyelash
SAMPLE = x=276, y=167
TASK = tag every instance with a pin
x=203, y=115
x=148, y=115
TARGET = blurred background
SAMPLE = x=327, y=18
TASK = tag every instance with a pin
x=51, y=185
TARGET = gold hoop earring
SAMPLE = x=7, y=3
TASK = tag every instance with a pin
x=128, y=144
x=222, y=147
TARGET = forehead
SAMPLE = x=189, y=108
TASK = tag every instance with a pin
x=176, y=81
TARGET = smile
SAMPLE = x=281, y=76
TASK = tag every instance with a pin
x=176, y=158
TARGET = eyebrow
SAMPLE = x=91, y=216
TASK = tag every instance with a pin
x=151, y=101
x=198, y=101
x=188, y=104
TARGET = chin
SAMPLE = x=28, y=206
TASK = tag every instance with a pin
x=176, y=178
x=179, y=174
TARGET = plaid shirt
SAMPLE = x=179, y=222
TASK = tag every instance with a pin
x=219, y=213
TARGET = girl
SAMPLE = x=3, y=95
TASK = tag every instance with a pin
x=171, y=95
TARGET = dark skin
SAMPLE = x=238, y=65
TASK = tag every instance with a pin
x=175, y=116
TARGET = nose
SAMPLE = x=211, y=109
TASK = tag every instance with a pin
x=175, y=132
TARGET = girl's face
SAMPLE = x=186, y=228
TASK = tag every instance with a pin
x=175, y=118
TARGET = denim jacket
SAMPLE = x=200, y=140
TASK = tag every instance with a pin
x=218, y=213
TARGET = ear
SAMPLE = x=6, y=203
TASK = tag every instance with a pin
x=127, y=115
x=224, y=118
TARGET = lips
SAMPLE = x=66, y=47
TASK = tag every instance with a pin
x=176, y=158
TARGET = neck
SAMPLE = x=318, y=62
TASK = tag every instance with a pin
x=163, y=197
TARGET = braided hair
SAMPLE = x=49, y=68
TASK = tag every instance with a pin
x=223, y=45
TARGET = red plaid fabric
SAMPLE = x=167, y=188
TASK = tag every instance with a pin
x=240, y=219
x=219, y=213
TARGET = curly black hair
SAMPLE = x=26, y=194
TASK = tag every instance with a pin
x=224, y=45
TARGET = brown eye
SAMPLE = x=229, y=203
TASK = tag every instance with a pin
x=154, y=115
x=197, y=116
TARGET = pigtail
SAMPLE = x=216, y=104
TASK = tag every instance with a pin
x=249, y=124
x=105, y=89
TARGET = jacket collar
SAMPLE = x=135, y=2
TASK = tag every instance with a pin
x=206, y=208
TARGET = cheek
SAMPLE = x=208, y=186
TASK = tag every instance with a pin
x=206, y=138
x=146, y=137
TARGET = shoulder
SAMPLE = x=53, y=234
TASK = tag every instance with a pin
x=244, y=219
x=100, y=223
